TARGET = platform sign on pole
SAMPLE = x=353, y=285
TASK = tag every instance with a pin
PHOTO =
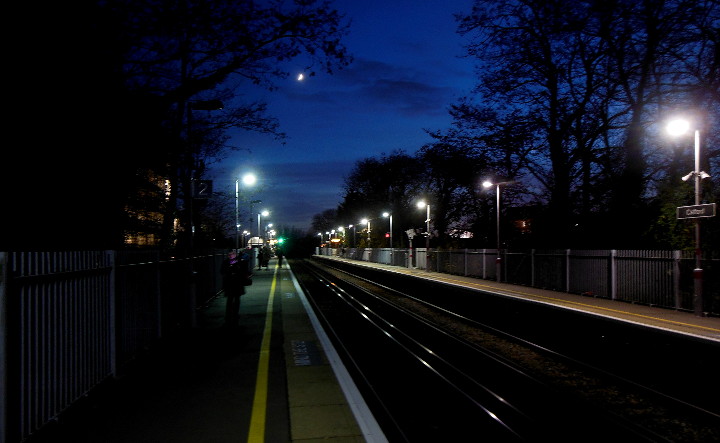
x=696, y=211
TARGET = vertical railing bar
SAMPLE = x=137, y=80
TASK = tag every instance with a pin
x=567, y=270
x=36, y=354
x=613, y=274
x=532, y=268
x=4, y=332
x=112, y=306
x=676, y=279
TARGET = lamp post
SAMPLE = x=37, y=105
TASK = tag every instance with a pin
x=389, y=215
x=498, y=260
x=248, y=180
x=679, y=127
x=366, y=221
x=268, y=233
x=264, y=213
x=341, y=230
x=420, y=205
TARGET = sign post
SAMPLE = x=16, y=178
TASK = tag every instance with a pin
x=410, y=233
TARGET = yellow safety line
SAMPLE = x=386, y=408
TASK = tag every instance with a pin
x=560, y=300
x=259, y=408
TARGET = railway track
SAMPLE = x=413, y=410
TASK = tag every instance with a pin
x=431, y=371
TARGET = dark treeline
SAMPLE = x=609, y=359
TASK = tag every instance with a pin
x=571, y=105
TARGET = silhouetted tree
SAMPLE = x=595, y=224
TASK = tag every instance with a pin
x=588, y=79
x=375, y=185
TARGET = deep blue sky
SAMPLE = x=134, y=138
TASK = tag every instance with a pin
x=408, y=68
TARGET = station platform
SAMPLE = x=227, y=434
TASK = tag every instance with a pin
x=276, y=377
x=273, y=378
x=682, y=322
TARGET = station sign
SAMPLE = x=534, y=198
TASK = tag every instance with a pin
x=696, y=211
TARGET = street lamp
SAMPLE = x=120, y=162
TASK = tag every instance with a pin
x=264, y=213
x=341, y=230
x=675, y=128
x=248, y=180
x=366, y=221
x=420, y=205
x=389, y=215
x=498, y=261
x=268, y=233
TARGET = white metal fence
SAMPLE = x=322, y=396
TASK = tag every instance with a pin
x=653, y=277
x=71, y=320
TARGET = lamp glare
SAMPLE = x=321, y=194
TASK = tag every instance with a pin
x=678, y=127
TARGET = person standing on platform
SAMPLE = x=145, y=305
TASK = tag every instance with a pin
x=264, y=257
x=260, y=257
x=236, y=274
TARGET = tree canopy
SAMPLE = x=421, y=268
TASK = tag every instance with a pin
x=570, y=106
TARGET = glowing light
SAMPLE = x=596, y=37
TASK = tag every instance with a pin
x=678, y=127
x=249, y=179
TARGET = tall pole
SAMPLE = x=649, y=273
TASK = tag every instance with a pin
x=248, y=179
x=368, y=232
x=237, y=213
x=427, y=239
x=498, y=260
x=698, y=272
x=389, y=215
x=678, y=127
x=391, y=239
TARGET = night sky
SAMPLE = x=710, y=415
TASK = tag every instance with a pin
x=408, y=68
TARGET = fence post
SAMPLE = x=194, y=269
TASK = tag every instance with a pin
x=484, y=276
x=613, y=274
x=3, y=349
x=532, y=268
x=158, y=294
x=465, y=256
x=567, y=270
x=676, y=279
x=503, y=266
x=112, y=262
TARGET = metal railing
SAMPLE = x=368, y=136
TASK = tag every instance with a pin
x=71, y=320
x=652, y=277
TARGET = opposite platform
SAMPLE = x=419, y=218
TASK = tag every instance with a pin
x=675, y=321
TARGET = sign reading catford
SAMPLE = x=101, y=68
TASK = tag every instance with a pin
x=697, y=211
